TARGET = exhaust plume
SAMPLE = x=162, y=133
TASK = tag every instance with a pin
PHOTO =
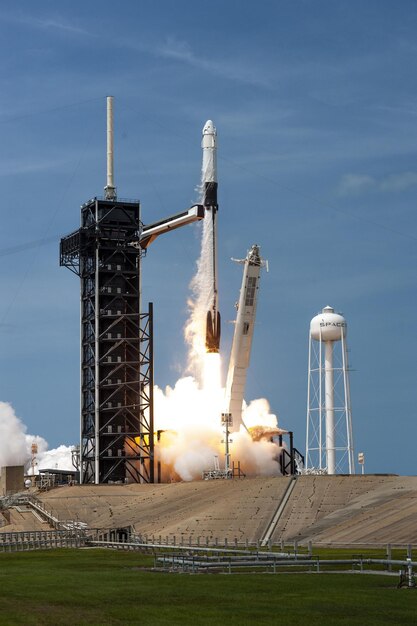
x=188, y=415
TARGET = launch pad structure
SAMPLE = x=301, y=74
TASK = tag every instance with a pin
x=116, y=343
x=117, y=430
x=117, y=380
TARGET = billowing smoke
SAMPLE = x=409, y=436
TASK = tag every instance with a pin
x=16, y=445
x=57, y=458
x=188, y=415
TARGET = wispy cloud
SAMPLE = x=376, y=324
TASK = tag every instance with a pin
x=172, y=48
x=182, y=52
x=354, y=184
x=51, y=23
x=59, y=24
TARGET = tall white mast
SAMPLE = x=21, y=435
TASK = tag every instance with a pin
x=110, y=189
x=243, y=335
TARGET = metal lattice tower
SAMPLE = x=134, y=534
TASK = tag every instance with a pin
x=116, y=345
x=329, y=437
x=117, y=430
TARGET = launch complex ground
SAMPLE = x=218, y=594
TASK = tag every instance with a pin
x=361, y=510
x=342, y=547
x=120, y=495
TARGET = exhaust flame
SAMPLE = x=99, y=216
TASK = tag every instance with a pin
x=188, y=415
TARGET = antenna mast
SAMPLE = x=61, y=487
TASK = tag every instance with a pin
x=110, y=189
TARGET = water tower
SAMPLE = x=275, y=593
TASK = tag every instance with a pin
x=329, y=441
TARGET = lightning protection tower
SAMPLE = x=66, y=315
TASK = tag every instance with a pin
x=117, y=431
x=329, y=440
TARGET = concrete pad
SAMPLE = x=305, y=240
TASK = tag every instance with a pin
x=348, y=510
x=225, y=509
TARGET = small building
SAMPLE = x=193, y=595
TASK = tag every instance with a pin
x=48, y=478
x=11, y=479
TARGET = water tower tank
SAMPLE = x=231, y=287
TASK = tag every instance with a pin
x=328, y=326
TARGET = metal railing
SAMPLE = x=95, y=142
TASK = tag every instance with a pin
x=37, y=506
x=41, y=540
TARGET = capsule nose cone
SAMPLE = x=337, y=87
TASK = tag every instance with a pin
x=209, y=128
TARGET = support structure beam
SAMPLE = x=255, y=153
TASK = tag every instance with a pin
x=116, y=345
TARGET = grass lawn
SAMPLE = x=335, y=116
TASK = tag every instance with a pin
x=104, y=587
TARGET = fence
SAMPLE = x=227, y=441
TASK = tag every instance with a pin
x=41, y=540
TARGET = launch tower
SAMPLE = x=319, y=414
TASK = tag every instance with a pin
x=117, y=432
x=116, y=420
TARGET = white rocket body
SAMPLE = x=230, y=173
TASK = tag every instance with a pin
x=209, y=145
x=209, y=179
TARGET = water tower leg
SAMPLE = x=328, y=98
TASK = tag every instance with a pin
x=329, y=403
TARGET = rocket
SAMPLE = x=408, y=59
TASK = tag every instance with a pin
x=209, y=182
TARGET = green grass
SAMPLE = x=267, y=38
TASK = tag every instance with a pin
x=104, y=587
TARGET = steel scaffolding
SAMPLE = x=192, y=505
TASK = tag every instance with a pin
x=117, y=440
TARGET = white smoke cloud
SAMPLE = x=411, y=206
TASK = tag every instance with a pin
x=193, y=436
x=57, y=458
x=257, y=458
x=14, y=448
x=16, y=445
x=258, y=413
x=190, y=412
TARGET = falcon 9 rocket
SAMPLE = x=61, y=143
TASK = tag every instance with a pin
x=209, y=180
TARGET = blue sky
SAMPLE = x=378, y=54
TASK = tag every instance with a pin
x=316, y=109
